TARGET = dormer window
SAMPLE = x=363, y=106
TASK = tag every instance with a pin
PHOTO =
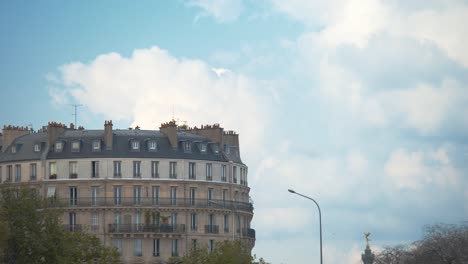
x=37, y=147
x=152, y=145
x=58, y=146
x=13, y=149
x=215, y=148
x=202, y=147
x=187, y=146
x=96, y=145
x=227, y=149
x=75, y=146
x=135, y=145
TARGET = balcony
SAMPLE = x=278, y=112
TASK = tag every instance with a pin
x=72, y=228
x=248, y=232
x=143, y=228
x=211, y=229
x=155, y=202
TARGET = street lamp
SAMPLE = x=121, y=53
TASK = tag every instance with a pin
x=320, y=219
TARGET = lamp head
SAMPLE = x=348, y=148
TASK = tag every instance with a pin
x=291, y=191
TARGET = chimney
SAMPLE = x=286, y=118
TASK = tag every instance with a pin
x=10, y=133
x=231, y=138
x=170, y=130
x=72, y=126
x=213, y=132
x=54, y=130
x=108, y=135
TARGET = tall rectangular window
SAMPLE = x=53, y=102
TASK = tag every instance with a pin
x=155, y=195
x=72, y=220
x=137, y=195
x=173, y=170
x=117, y=195
x=155, y=169
x=10, y=173
x=194, y=244
x=95, y=169
x=209, y=175
x=117, y=218
x=223, y=173
x=174, y=219
x=209, y=195
x=175, y=251
x=137, y=221
x=117, y=242
x=95, y=221
x=137, y=252
x=192, y=196
x=136, y=169
x=156, y=252
x=211, y=245
x=193, y=221
x=73, y=167
x=226, y=223
x=117, y=169
x=94, y=195
x=52, y=170
x=224, y=196
x=173, y=195
x=234, y=174
x=73, y=195
x=18, y=173
x=32, y=170
x=192, y=170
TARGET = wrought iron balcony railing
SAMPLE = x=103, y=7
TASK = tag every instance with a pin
x=211, y=229
x=144, y=228
x=73, y=228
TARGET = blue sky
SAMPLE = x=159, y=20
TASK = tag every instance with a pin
x=361, y=104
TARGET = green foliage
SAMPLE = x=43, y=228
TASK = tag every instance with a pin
x=226, y=252
x=32, y=233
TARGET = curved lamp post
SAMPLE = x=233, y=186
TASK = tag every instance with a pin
x=320, y=219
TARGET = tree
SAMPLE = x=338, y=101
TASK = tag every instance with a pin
x=226, y=252
x=441, y=244
x=34, y=233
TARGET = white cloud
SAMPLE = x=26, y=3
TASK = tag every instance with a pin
x=415, y=170
x=273, y=219
x=145, y=88
x=221, y=10
x=356, y=163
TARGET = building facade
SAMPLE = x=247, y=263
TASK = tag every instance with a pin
x=153, y=194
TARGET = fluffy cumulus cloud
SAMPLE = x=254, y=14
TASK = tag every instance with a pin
x=150, y=85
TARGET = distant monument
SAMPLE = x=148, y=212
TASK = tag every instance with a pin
x=368, y=257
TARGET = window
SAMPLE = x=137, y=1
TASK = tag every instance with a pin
x=75, y=146
x=94, y=195
x=117, y=242
x=209, y=195
x=192, y=196
x=137, y=220
x=136, y=169
x=234, y=174
x=18, y=173
x=135, y=145
x=117, y=218
x=172, y=170
x=37, y=147
x=117, y=195
x=187, y=146
x=155, y=195
x=1, y=174
x=224, y=196
x=94, y=221
x=58, y=146
x=137, y=248
x=73, y=195
x=96, y=145
x=155, y=169
x=226, y=223
x=137, y=195
x=223, y=173
x=175, y=252
x=73, y=169
x=50, y=191
x=52, y=170
x=95, y=169
x=174, y=219
x=236, y=196
x=117, y=169
x=156, y=248
x=152, y=145
x=211, y=245
x=173, y=195
x=193, y=221
x=194, y=244
x=72, y=221
x=32, y=171
x=226, y=149
x=191, y=170
x=13, y=149
x=209, y=175
x=10, y=173
x=203, y=148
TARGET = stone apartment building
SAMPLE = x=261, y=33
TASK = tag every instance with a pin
x=153, y=194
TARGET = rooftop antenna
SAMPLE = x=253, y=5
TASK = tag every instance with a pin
x=75, y=113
